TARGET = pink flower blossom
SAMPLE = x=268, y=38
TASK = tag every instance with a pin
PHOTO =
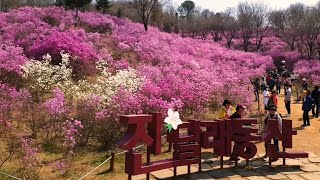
x=56, y=106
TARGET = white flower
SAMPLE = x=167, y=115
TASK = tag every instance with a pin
x=43, y=76
x=173, y=119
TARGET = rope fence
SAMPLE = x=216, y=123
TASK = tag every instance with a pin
x=8, y=175
x=95, y=168
x=111, y=158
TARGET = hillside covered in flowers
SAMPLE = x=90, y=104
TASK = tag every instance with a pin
x=64, y=83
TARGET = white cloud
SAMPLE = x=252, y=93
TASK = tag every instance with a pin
x=221, y=5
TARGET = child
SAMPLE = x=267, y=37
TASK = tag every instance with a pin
x=272, y=116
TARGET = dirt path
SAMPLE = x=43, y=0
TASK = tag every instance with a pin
x=308, y=138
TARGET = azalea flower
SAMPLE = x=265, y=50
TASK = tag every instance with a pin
x=173, y=120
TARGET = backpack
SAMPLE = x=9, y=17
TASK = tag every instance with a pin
x=266, y=119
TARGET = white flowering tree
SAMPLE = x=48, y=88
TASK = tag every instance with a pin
x=107, y=84
x=43, y=77
x=54, y=89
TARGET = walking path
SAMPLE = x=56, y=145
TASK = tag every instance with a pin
x=296, y=169
x=308, y=140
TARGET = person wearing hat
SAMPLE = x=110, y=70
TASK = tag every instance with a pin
x=239, y=112
x=272, y=116
x=306, y=107
x=287, y=97
x=304, y=84
x=226, y=111
x=304, y=88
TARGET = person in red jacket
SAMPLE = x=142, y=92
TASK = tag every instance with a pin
x=273, y=100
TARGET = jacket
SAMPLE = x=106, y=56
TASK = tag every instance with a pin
x=224, y=113
x=235, y=116
x=307, y=103
x=316, y=95
x=288, y=95
x=273, y=100
x=274, y=117
x=305, y=86
x=278, y=83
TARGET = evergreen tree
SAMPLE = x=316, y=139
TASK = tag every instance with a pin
x=60, y=3
x=76, y=4
x=103, y=5
x=187, y=8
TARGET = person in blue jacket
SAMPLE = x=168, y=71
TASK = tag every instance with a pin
x=308, y=103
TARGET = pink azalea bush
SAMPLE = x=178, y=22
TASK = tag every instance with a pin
x=30, y=153
x=59, y=166
x=124, y=70
x=187, y=69
x=71, y=134
x=96, y=22
x=13, y=102
x=56, y=106
x=280, y=51
x=309, y=69
x=72, y=42
x=187, y=73
x=11, y=58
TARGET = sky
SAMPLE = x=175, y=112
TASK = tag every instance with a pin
x=221, y=5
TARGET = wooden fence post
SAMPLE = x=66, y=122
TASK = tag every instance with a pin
x=112, y=162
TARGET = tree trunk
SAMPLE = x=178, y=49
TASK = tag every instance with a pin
x=259, y=44
x=245, y=45
x=145, y=22
x=77, y=13
x=145, y=26
x=292, y=47
x=229, y=41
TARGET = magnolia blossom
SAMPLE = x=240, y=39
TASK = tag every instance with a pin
x=173, y=119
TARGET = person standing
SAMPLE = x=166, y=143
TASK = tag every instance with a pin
x=278, y=85
x=269, y=78
x=304, y=84
x=306, y=107
x=272, y=116
x=237, y=115
x=275, y=74
x=265, y=97
x=257, y=87
x=316, y=97
x=271, y=84
x=226, y=111
x=287, y=98
x=263, y=83
x=273, y=99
